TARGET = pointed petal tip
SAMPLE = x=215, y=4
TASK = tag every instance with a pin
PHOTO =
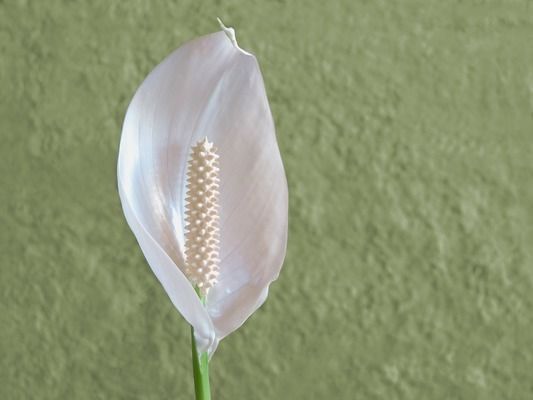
x=230, y=33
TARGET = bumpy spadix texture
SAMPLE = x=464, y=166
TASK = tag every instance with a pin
x=210, y=88
x=202, y=219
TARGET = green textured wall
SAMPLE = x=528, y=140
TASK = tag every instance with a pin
x=406, y=130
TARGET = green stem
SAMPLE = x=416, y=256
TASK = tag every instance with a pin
x=200, y=368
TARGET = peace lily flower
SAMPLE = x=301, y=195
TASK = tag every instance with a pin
x=208, y=94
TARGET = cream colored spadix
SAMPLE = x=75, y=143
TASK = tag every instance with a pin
x=202, y=232
x=208, y=88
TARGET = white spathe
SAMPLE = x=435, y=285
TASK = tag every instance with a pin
x=210, y=88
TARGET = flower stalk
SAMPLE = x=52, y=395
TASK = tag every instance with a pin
x=200, y=368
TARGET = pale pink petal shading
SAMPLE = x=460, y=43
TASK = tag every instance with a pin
x=207, y=88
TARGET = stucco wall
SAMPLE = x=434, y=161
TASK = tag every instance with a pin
x=406, y=130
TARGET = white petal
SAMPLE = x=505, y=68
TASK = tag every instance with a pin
x=208, y=87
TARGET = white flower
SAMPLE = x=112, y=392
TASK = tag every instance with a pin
x=210, y=88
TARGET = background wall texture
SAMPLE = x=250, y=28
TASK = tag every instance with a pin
x=406, y=130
